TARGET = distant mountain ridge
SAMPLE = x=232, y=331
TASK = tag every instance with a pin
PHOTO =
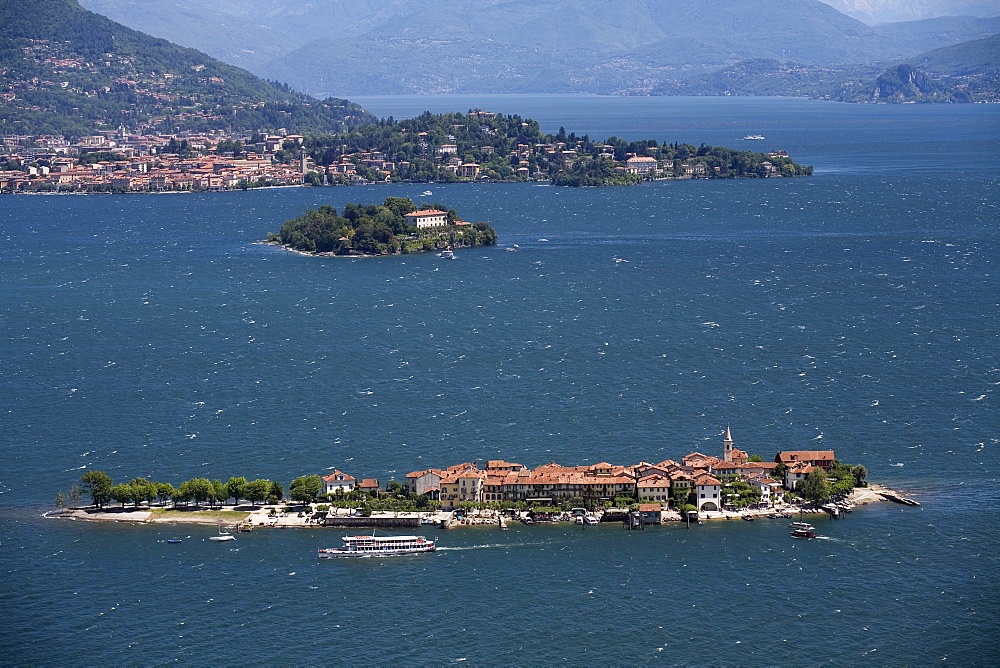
x=353, y=47
x=65, y=70
x=886, y=11
x=967, y=72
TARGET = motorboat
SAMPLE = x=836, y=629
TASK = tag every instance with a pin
x=447, y=254
x=804, y=526
x=803, y=533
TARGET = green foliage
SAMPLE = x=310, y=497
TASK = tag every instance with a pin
x=499, y=143
x=98, y=485
x=755, y=458
x=75, y=72
x=371, y=230
x=306, y=488
x=816, y=487
x=236, y=489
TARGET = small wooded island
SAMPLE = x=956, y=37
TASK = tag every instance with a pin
x=396, y=226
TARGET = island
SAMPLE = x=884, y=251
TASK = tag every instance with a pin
x=695, y=488
x=397, y=226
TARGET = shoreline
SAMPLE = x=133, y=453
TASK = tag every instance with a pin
x=266, y=517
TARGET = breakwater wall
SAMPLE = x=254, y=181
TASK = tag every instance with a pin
x=370, y=522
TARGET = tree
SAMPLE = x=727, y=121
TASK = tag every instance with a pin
x=123, y=493
x=755, y=458
x=143, y=490
x=98, y=485
x=164, y=491
x=779, y=471
x=860, y=474
x=196, y=489
x=306, y=488
x=236, y=488
x=60, y=501
x=258, y=490
x=816, y=486
x=219, y=492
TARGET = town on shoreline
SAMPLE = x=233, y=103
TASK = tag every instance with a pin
x=476, y=147
x=698, y=487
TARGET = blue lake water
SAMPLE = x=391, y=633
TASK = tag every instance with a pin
x=854, y=310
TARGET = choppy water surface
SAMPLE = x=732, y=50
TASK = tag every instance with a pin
x=854, y=310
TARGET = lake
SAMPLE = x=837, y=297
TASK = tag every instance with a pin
x=854, y=310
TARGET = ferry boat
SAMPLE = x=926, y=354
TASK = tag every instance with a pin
x=803, y=533
x=804, y=526
x=377, y=546
x=753, y=137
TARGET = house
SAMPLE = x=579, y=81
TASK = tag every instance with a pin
x=469, y=170
x=368, y=485
x=427, y=218
x=770, y=490
x=821, y=458
x=707, y=492
x=653, y=487
x=338, y=481
x=641, y=164
x=796, y=472
x=651, y=513
x=460, y=486
x=424, y=482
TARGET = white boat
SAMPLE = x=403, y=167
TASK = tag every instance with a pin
x=427, y=193
x=805, y=526
x=754, y=137
x=378, y=546
x=447, y=254
x=591, y=519
x=223, y=536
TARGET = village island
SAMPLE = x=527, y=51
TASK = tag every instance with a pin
x=473, y=147
x=696, y=488
x=397, y=226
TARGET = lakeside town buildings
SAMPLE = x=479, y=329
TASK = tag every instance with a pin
x=147, y=164
x=695, y=479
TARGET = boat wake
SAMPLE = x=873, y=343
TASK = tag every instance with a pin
x=482, y=547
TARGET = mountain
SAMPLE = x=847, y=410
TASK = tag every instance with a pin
x=890, y=11
x=69, y=71
x=354, y=47
x=967, y=72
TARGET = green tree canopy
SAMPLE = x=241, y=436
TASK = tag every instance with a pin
x=306, y=488
x=98, y=485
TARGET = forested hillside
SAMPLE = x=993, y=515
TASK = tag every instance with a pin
x=69, y=71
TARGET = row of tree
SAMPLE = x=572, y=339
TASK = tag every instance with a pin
x=102, y=490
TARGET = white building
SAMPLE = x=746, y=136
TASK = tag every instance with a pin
x=338, y=481
x=707, y=492
x=427, y=218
